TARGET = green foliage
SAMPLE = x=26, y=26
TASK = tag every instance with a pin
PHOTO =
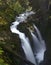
x=1, y=51
x=8, y=11
x=2, y=62
x=18, y=8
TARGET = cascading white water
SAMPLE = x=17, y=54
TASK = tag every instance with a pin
x=38, y=32
x=24, y=40
x=39, y=46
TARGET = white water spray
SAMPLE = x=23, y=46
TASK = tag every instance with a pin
x=39, y=46
x=25, y=43
x=24, y=40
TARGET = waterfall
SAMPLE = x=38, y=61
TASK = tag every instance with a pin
x=39, y=45
x=38, y=32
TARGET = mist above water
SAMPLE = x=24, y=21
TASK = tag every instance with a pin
x=37, y=54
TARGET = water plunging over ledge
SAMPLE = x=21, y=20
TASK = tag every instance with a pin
x=36, y=56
